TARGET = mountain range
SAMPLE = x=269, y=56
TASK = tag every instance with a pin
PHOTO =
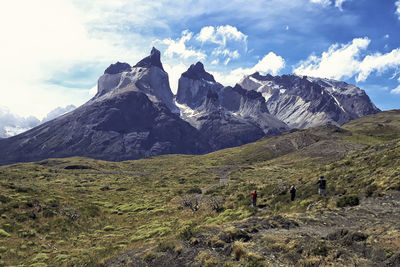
x=135, y=114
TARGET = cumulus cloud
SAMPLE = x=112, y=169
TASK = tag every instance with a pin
x=270, y=63
x=340, y=61
x=227, y=38
x=378, y=62
x=396, y=90
x=397, y=4
x=178, y=47
x=12, y=124
x=174, y=73
x=221, y=34
x=345, y=61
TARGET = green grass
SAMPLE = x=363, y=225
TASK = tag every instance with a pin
x=57, y=216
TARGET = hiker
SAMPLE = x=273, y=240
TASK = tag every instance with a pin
x=254, y=197
x=292, y=192
x=321, y=186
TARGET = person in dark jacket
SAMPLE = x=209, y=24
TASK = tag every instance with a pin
x=254, y=198
x=321, y=186
x=292, y=192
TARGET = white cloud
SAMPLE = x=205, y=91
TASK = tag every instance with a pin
x=221, y=34
x=226, y=53
x=344, y=61
x=396, y=90
x=215, y=62
x=339, y=3
x=270, y=63
x=378, y=62
x=397, y=4
x=340, y=61
x=324, y=3
x=178, y=47
x=37, y=42
x=11, y=124
x=93, y=91
x=58, y=112
x=174, y=73
x=227, y=38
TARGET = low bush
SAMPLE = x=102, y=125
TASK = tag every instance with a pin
x=194, y=190
x=370, y=190
x=187, y=232
x=165, y=247
x=350, y=200
x=320, y=250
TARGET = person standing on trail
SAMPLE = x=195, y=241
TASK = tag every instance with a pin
x=321, y=186
x=254, y=198
x=292, y=192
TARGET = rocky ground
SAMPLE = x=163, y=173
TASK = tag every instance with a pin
x=364, y=235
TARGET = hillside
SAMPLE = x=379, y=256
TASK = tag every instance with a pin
x=195, y=210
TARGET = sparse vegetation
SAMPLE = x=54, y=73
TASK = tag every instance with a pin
x=54, y=214
x=350, y=200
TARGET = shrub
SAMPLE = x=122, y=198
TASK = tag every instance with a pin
x=90, y=211
x=194, y=190
x=370, y=190
x=149, y=257
x=187, y=232
x=350, y=200
x=4, y=199
x=4, y=233
x=233, y=234
x=239, y=251
x=254, y=263
x=320, y=250
x=108, y=228
x=165, y=246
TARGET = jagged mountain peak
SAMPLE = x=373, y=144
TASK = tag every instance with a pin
x=303, y=101
x=261, y=77
x=117, y=68
x=197, y=72
x=154, y=59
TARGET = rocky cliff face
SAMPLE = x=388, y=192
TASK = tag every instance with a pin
x=303, y=102
x=227, y=116
x=194, y=85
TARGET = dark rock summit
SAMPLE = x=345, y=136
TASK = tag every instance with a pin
x=117, y=68
x=194, y=84
x=153, y=60
x=197, y=72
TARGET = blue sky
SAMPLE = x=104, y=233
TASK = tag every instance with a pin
x=53, y=51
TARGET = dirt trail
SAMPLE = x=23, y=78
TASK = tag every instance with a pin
x=222, y=173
